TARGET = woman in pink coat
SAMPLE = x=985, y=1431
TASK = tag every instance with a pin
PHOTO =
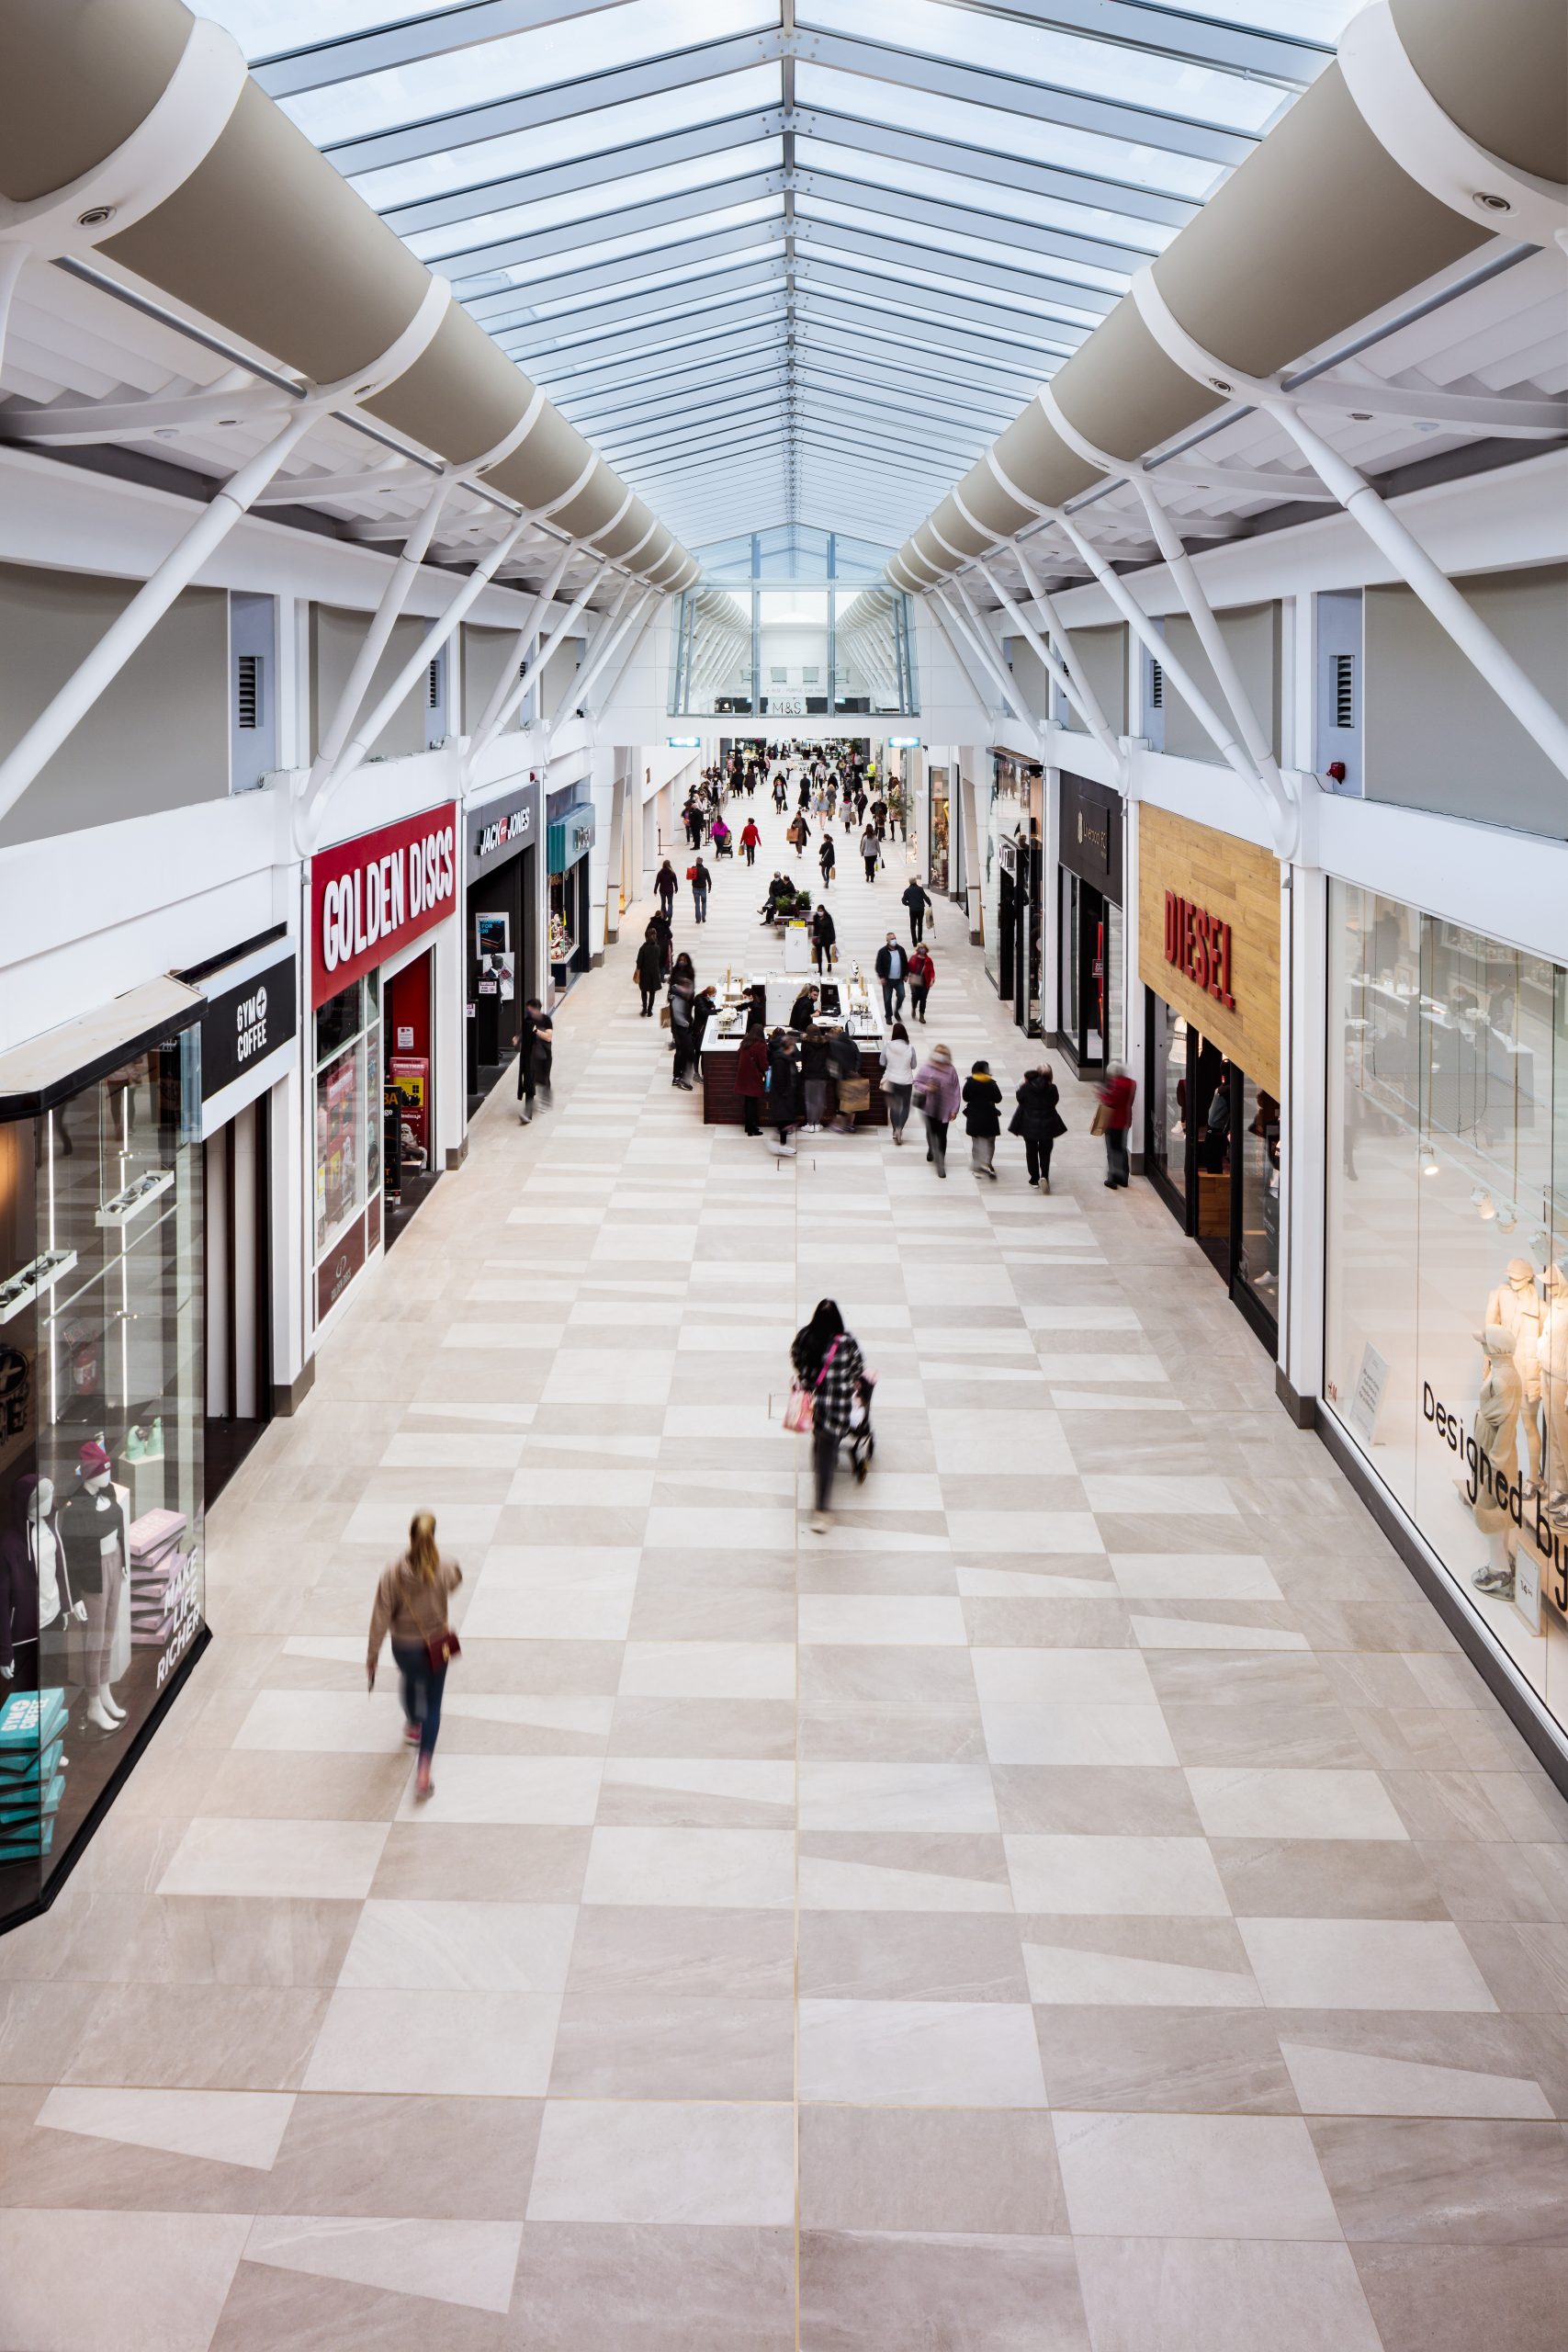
x=938, y=1094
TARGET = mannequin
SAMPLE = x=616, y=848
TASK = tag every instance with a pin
x=1516, y=1305
x=1553, y=1357
x=35, y=1584
x=93, y=1527
x=1496, y=1435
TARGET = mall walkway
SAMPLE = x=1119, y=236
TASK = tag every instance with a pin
x=1085, y=1901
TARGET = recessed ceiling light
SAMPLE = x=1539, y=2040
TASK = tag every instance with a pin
x=98, y=215
x=1489, y=202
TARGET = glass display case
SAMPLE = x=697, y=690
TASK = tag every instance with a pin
x=102, y=1404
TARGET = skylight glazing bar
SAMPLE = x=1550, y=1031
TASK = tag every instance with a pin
x=641, y=219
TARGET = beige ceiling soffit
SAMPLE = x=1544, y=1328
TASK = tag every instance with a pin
x=619, y=515
x=1431, y=147
x=157, y=156
x=203, y=190
x=982, y=531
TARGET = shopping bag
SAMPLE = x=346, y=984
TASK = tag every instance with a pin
x=798, y=1410
x=854, y=1094
x=1100, y=1120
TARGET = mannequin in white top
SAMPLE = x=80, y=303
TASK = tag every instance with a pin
x=1496, y=1435
x=1516, y=1305
x=1553, y=1361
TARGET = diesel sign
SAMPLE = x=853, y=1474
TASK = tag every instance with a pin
x=1198, y=944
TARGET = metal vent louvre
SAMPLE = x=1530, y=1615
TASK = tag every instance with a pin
x=1344, y=690
x=1156, y=687
x=248, y=691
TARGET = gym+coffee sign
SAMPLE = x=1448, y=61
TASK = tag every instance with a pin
x=371, y=896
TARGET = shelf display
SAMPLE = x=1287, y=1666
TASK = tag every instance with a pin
x=101, y=1449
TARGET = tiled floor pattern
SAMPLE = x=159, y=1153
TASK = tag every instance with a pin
x=1083, y=1900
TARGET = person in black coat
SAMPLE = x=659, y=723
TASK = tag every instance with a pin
x=666, y=883
x=1038, y=1122
x=535, y=1056
x=982, y=1118
x=803, y=1012
x=918, y=900
x=783, y=1087
x=824, y=936
x=649, y=969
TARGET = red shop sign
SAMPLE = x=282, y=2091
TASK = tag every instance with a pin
x=371, y=894
x=1198, y=944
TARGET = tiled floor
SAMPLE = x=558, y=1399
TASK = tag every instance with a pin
x=1083, y=1900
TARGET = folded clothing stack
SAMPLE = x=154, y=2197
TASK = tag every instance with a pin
x=158, y=1570
x=32, y=1772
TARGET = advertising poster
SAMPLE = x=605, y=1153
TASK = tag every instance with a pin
x=408, y=1077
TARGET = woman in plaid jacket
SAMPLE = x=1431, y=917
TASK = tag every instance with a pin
x=829, y=1367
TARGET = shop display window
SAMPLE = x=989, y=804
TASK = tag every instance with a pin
x=939, y=829
x=102, y=1411
x=1168, y=1066
x=1445, y=1351
x=348, y=1107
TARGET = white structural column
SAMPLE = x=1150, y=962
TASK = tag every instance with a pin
x=979, y=637
x=151, y=601
x=435, y=638
x=394, y=597
x=970, y=661
x=597, y=640
x=1408, y=557
x=622, y=626
x=498, y=710
x=1189, y=588
x=519, y=686
x=1088, y=707
x=1431, y=583
x=1061, y=636
x=1220, y=735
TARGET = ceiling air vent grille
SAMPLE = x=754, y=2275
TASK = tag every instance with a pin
x=248, y=691
x=1344, y=690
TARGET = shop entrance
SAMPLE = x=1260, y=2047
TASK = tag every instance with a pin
x=502, y=970
x=1090, y=927
x=408, y=1132
x=1213, y=1155
x=239, y=1350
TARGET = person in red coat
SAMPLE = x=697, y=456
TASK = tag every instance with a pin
x=751, y=1076
x=1116, y=1096
x=749, y=840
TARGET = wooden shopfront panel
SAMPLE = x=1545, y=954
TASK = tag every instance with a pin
x=1233, y=883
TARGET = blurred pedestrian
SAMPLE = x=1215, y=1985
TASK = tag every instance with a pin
x=411, y=1606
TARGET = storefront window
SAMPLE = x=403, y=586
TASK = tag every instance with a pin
x=1446, y=1353
x=1168, y=1088
x=348, y=1106
x=102, y=1415
x=1258, y=1264
x=939, y=821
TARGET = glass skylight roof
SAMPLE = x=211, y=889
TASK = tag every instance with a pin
x=796, y=277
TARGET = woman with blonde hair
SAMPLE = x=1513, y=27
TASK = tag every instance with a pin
x=410, y=1605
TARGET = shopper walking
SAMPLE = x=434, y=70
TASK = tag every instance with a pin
x=751, y=1075
x=922, y=972
x=900, y=1061
x=824, y=938
x=702, y=882
x=815, y=1078
x=869, y=850
x=938, y=1094
x=918, y=900
x=750, y=840
x=798, y=831
x=892, y=969
x=1037, y=1122
x=666, y=884
x=780, y=794
x=649, y=970
x=411, y=1606
x=831, y=1370
x=983, y=1118
x=784, y=1088
x=1112, y=1120
x=681, y=995
x=535, y=1056
x=826, y=858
